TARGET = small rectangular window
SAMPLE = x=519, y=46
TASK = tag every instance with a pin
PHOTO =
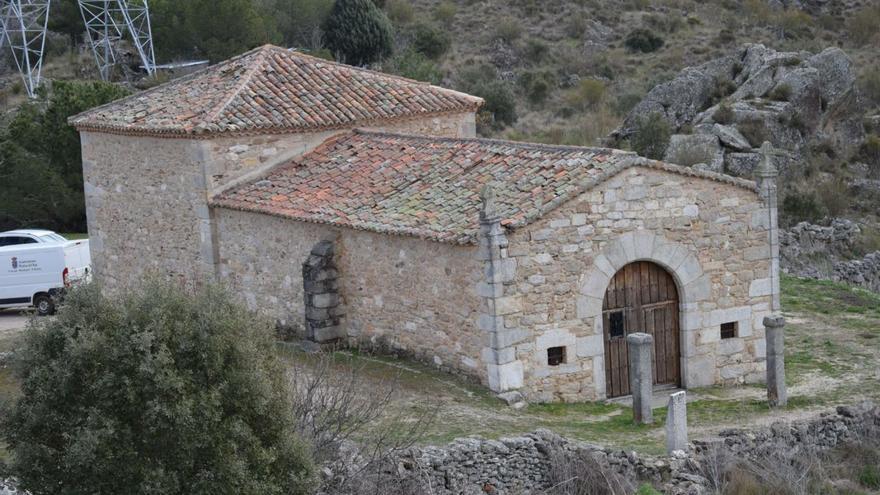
x=728, y=330
x=617, y=331
x=555, y=356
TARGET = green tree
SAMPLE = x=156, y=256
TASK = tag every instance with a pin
x=154, y=391
x=43, y=161
x=214, y=29
x=358, y=32
x=299, y=21
x=651, y=136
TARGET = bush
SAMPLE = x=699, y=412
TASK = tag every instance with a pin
x=643, y=40
x=508, y=29
x=431, y=41
x=869, y=152
x=499, y=108
x=413, y=65
x=535, y=50
x=724, y=113
x=862, y=26
x=870, y=84
x=667, y=23
x=587, y=94
x=358, y=32
x=445, y=12
x=754, y=132
x=537, y=85
x=794, y=24
x=651, y=136
x=158, y=390
x=799, y=206
x=781, y=92
x=400, y=11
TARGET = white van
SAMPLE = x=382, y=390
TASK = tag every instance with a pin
x=36, y=273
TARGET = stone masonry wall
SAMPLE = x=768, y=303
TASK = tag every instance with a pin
x=147, y=198
x=711, y=236
x=146, y=204
x=396, y=292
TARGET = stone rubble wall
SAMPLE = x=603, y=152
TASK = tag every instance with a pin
x=824, y=252
x=711, y=235
x=520, y=465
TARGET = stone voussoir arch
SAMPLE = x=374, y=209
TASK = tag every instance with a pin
x=694, y=286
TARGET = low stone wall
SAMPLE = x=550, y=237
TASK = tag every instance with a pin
x=521, y=465
x=822, y=252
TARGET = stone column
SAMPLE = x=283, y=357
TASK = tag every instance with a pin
x=321, y=294
x=504, y=371
x=777, y=395
x=766, y=175
x=676, y=423
x=641, y=378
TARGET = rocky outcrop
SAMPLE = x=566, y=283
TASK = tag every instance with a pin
x=794, y=100
x=826, y=252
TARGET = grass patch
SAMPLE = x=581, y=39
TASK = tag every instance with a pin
x=75, y=236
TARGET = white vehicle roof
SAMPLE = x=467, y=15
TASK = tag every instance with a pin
x=36, y=232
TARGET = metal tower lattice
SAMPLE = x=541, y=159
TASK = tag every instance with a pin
x=24, y=30
x=106, y=23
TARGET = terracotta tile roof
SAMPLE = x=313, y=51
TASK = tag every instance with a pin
x=423, y=186
x=272, y=90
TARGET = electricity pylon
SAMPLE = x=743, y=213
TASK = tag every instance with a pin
x=107, y=22
x=24, y=30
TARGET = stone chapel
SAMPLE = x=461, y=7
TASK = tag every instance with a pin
x=359, y=207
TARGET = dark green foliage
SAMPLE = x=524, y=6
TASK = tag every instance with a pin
x=41, y=180
x=651, y=136
x=413, y=65
x=499, y=109
x=535, y=50
x=158, y=391
x=754, y=131
x=799, y=206
x=643, y=40
x=214, y=29
x=431, y=41
x=781, y=92
x=358, y=32
x=537, y=85
x=724, y=113
x=869, y=152
x=299, y=21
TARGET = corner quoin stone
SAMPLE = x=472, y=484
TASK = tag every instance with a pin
x=641, y=379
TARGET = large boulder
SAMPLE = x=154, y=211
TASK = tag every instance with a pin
x=792, y=99
x=680, y=99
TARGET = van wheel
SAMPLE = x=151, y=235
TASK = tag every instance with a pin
x=44, y=304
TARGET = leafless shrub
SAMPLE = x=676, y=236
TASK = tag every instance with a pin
x=582, y=473
x=353, y=425
x=714, y=465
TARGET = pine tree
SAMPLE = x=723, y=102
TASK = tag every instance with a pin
x=358, y=32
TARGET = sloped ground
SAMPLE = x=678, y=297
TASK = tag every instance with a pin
x=833, y=357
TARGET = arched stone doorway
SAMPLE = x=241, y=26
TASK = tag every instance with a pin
x=641, y=297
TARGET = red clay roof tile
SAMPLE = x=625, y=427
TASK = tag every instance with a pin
x=272, y=90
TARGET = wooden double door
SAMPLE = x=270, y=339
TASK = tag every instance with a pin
x=642, y=297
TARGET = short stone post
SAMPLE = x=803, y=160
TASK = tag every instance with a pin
x=641, y=378
x=777, y=395
x=676, y=423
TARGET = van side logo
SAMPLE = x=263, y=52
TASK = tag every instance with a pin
x=14, y=262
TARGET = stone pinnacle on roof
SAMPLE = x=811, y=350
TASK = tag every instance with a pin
x=272, y=90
